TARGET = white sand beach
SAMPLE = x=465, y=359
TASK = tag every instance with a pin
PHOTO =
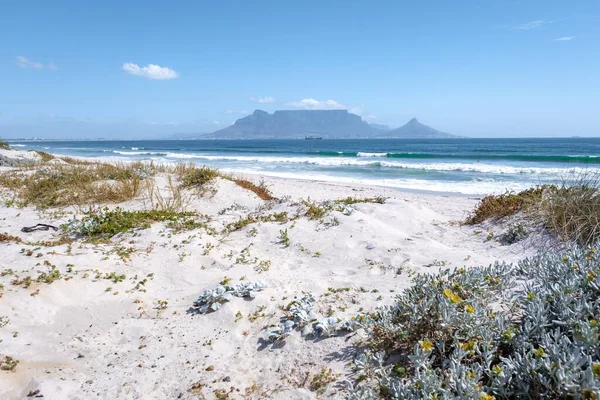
x=90, y=334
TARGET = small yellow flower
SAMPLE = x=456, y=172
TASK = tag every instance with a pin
x=591, y=276
x=530, y=296
x=485, y=396
x=594, y=323
x=497, y=369
x=470, y=345
x=596, y=369
x=539, y=353
x=426, y=345
x=510, y=333
x=575, y=266
x=470, y=309
x=565, y=258
x=453, y=297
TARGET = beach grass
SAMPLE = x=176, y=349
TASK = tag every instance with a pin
x=570, y=211
x=45, y=157
x=495, y=207
x=65, y=185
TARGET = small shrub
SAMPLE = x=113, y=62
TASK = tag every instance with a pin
x=315, y=211
x=197, y=177
x=50, y=276
x=284, y=238
x=515, y=233
x=4, y=145
x=320, y=381
x=8, y=363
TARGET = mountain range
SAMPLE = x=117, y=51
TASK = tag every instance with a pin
x=327, y=124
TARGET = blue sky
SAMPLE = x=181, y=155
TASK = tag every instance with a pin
x=149, y=68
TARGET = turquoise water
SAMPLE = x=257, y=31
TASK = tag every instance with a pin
x=468, y=166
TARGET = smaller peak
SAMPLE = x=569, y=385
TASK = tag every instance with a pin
x=414, y=121
x=260, y=112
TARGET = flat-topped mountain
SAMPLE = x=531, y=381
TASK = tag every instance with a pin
x=327, y=124
x=296, y=124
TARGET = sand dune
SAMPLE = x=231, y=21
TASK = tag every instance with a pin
x=84, y=336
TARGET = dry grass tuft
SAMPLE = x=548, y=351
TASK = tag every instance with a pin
x=173, y=200
x=4, y=145
x=6, y=238
x=260, y=190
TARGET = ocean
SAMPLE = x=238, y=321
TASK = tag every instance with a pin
x=460, y=166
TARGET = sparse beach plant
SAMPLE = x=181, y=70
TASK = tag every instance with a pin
x=284, y=239
x=279, y=333
x=106, y=223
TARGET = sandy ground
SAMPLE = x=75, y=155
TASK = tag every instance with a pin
x=88, y=337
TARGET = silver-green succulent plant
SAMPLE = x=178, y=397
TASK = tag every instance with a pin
x=500, y=332
x=211, y=300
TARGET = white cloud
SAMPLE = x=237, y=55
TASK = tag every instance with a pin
x=150, y=71
x=565, y=38
x=312, y=104
x=228, y=111
x=358, y=110
x=24, y=62
x=244, y=112
x=263, y=100
x=533, y=24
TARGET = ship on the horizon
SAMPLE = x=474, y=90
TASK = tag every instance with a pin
x=313, y=138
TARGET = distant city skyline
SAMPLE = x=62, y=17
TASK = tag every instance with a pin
x=71, y=69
